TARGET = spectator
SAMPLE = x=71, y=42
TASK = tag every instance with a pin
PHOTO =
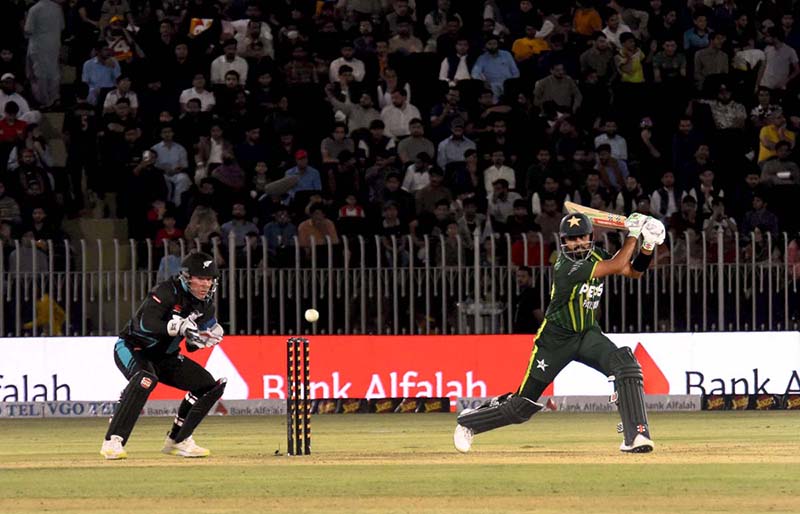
x=530, y=45
x=280, y=232
x=8, y=93
x=780, y=169
x=415, y=144
x=617, y=143
x=314, y=230
x=665, y=200
x=389, y=83
x=12, y=131
x=453, y=148
x=627, y=198
x=457, y=66
x=198, y=91
x=255, y=42
x=685, y=220
x=771, y=134
x=9, y=208
x=613, y=172
x=393, y=227
x=123, y=90
x=429, y=196
x=760, y=217
x=170, y=264
x=376, y=143
x=169, y=231
x=501, y=204
x=417, y=175
x=239, y=226
x=404, y=41
x=336, y=143
x=559, y=88
x=697, y=37
x=172, y=160
x=498, y=170
x=718, y=221
x=781, y=65
x=226, y=62
x=614, y=29
x=549, y=220
x=470, y=221
x=710, y=61
x=359, y=115
x=669, y=65
x=308, y=177
x=347, y=58
x=43, y=26
x=495, y=66
x=528, y=312
x=100, y=72
x=397, y=116
x=520, y=222
x=598, y=58
x=443, y=114
x=202, y=225
x=29, y=257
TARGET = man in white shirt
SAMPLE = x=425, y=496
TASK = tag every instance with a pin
x=226, y=62
x=397, y=116
x=199, y=91
x=8, y=93
x=457, y=67
x=498, y=170
x=251, y=32
x=348, y=59
x=614, y=29
x=123, y=90
x=417, y=175
x=666, y=200
x=619, y=147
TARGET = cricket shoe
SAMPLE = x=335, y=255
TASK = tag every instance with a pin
x=462, y=437
x=185, y=448
x=641, y=444
x=113, y=449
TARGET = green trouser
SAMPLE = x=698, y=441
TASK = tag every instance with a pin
x=555, y=347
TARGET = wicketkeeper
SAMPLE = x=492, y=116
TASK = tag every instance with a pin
x=148, y=352
x=570, y=333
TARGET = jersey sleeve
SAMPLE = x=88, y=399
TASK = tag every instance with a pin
x=156, y=310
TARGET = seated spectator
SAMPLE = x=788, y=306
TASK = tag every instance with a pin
x=255, y=42
x=710, y=61
x=627, y=199
x=334, y=144
x=697, y=37
x=123, y=90
x=348, y=58
x=427, y=198
x=520, y=222
x=32, y=140
x=388, y=84
x=498, y=170
x=100, y=72
x=198, y=91
x=397, y=116
x=418, y=174
x=280, y=232
x=229, y=174
x=549, y=220
x=454, y=147
x=375, y=176
x=316, y=228
x=558, y=87
x=706, y=192
x=599, y=58
x=666, y=200
x=238, y=227
x=780, y=169
x=416, y=143
x=685, y=220
x=761, y=217
x=718, y=222
x=360, y=115
x=9, y=93
x=169, y=230
x=172, y=160
x=470, y=221
x=551, y=188
x=352, y=217
x=669, y=65
x=404, y=42
x=308, y=177
x=592, y=187
x=170, y=264
x=9, y=208
x=619, y=147
x=203, y=224
x=30, y=256
x=392, y=192
x=392, y=226
x=445, y=113
x=614, y=29
x=457, y=66
x=770, y=134
x=226, y=62
x=530, y=45
x=495, y=66
x=501, y=205
x=12, y=130
x=612, y=172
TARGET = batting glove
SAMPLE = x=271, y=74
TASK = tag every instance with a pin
x=634, y=224
x=653, y=234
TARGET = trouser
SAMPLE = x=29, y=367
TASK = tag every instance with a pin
x=175, y=370
x=555, y=347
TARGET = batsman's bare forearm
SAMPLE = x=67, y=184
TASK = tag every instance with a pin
x=620, y=264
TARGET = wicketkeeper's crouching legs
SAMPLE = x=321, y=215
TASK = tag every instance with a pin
x=629, y=385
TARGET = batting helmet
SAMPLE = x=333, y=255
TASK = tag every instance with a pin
x=200, y=264
x=576, y=225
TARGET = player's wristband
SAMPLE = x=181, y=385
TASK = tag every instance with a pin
x=642, y=262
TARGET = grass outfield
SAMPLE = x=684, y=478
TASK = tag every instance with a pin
x=556, y=463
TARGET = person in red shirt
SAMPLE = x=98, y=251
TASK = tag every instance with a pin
x=169, y=231
x=12, y=130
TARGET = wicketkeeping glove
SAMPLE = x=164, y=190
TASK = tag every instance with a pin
x=212, y=336
x=653, y=234
x=194, y=341
x=179, y=326
x=634, y=224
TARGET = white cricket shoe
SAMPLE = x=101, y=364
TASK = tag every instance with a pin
x=113, y=449
x=462, y=438
x=641, y=444
x=185, y=448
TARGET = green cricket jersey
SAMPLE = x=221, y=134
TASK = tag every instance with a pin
x=575, y=295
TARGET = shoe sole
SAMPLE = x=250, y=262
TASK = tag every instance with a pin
x=179, y=453
x=646, y=448
x=111, y=456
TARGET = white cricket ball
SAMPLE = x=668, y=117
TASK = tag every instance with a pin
x=312, y=315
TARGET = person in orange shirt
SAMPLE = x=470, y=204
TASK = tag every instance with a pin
x=317, y=226
x=526, y=47
x=586, y=20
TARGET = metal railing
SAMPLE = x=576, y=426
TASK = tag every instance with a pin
x=397, y=285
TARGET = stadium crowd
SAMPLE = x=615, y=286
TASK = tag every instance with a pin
x=426, y=117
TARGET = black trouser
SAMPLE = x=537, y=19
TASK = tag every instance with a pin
x=174, y=370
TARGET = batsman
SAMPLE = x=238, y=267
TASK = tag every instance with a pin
x=148, y=352
x=570, y=333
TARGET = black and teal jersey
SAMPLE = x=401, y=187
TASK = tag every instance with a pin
x=575, y=295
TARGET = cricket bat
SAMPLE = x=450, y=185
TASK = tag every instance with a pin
x=600, y=218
